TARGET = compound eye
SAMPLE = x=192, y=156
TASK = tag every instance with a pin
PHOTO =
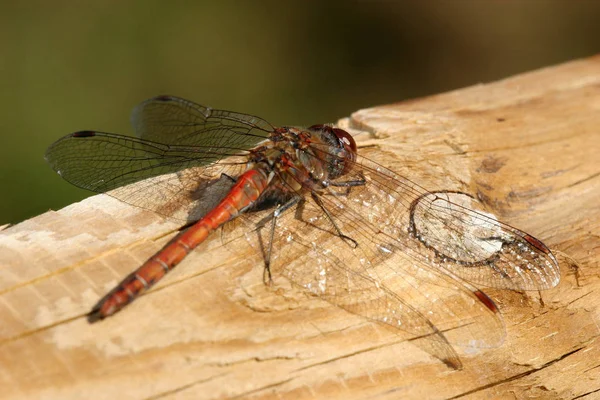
x=345, y=139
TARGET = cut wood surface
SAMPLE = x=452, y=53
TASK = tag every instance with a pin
x=527, y=147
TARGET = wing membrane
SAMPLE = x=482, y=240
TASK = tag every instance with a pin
x=392, y=285
x=375, y=281
x=440, y=229
x=172, y=120
x=179, y=153
x=168, y=179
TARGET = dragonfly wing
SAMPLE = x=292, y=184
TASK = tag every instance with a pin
x=412, y=297
x=366, y=278
x=186, y=195
x=477, y=247
x=441, y=230
x=175, y=181
x=335, y=274
x=172, y=120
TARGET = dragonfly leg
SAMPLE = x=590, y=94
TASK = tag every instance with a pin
x=231, y=178
x=280, y=210
x=352, y=183
x=349, y=184
x=348, y=239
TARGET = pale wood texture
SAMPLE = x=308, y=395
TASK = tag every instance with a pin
x=528, y=147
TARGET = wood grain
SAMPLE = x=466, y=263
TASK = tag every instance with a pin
x=528, y=147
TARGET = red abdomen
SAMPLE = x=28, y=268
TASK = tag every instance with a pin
x=249, y=186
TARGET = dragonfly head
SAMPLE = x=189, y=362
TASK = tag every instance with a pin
x=344, y=144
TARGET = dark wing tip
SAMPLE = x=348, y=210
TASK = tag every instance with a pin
x=52, y=152
x=82, y=134
x=487, y=301
x=453, y=363
x=163, y=97
x=537, y=244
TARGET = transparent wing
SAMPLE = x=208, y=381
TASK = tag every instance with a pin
x=373, y=280
x=172, y=120
x=176, y=165
x=335, y=273
x=441, y=230
x=172, y=180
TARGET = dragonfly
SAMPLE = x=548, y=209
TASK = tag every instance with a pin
x=329, y=220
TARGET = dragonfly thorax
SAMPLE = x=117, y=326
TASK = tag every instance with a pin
x=307, y=158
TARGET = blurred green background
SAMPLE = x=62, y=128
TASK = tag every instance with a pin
x=69, y=65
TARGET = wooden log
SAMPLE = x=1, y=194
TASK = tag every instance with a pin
x=528, y=147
